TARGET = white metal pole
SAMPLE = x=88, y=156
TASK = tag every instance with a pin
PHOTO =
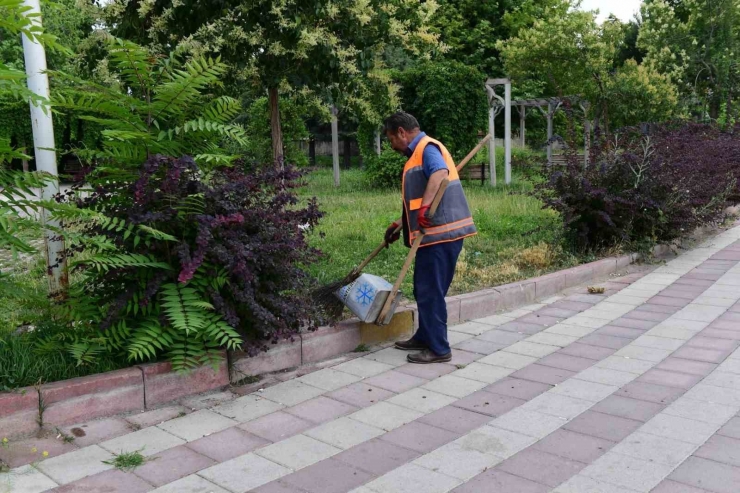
x=377, y=142
x=45, y=155
x=550, y=113
x=507, y=132
x=335, y=144
x=492, y=131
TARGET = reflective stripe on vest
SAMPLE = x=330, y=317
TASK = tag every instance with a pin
x=453, y=220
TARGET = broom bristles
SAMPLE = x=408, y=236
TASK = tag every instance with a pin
x=330, y=302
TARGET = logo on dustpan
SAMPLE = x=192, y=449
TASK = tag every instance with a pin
x=365, y=294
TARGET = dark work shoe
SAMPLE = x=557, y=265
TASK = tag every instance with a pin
x=427, y=356
x=411, y=345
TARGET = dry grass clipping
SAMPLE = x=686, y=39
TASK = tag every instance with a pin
x=538, y=257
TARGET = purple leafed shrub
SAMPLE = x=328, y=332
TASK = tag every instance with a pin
x=223, y=248
x=641, y=188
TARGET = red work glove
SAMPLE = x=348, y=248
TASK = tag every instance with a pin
x=422, y=218
x=391, y=236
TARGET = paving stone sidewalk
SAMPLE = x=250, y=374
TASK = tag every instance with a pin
x=636, y=390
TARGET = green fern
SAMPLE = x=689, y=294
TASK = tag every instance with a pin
x=103, y=263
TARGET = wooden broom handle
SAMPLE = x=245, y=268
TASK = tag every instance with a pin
x=411, y=255
x=375, y=252
x=472, y=153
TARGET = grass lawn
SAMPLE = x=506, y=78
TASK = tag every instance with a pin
x=517, y=238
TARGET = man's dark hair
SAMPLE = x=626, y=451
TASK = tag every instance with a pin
x=400, y=120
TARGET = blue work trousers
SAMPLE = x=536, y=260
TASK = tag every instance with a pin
x=433, y=272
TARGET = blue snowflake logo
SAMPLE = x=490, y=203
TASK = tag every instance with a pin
x=365, y=294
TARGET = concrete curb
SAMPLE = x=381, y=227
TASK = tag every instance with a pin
x=145, y=386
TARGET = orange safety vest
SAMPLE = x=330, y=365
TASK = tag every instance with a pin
x=453, y=220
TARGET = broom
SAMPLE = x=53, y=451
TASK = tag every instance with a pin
x=324, y=296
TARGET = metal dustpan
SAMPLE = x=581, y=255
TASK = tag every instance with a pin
x=366, y=297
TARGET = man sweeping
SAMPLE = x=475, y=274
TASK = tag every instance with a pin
x=429, y=163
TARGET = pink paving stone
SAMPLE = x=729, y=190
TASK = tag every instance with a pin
x=20, y=452
x=669, y=486
x=574, y=446
x=649, y=316
x=519, y=388
x=277, y=426
x=420, y=437
x=522, y=328
x=586, y=298
x=604, y=426
x=113, y=481
x=576, y=306
x=566, y=362
x=660, y=394
x=670, y=301
x=156, y=416
x=360, y=394
x=561, y=313
x=395, y=381
x=624, y=407
x=670, y=378
x=328, y=476
x=731, y=428
x=377, y=456
x=427, y=372
x=586, y=351
x=631, y=323
x=227, y=444
x=724, y=325
x=171, y=465
x=655, y=308
x=321, y=409
x=541, y=467
x=600, y=340
x=701, y=354
x=679, y=295
x=543, y=374
x=495, y=481
x=98, y=431
x=480, y=347
x=278, y=487
x=542, y=320
x=721, y=334
x=488, y=403
x=719, y=344
x=707, y=474
x=501, y=337
x=693, y=282
x=455, y=419
x=616, y=331
x=721, y=449
x=687, y=366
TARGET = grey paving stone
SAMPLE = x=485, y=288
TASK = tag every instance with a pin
x=708, y=475
x=363, y=367
x=660, y=394
x=560, y=313
x=488, y=403
x=114, y=481
x=395, y=381
x=720, y=344
x=583, y=484
x=586, y=351
x=149, y=441
x=329, y=379
x=227, y=444
x=321, y=409
x=420, y=437
x=344, y=433
x=277, y=426
x=76, y=465
x=672, y=301
x=708, y=412
x=538, y=319
x=377, y=456
x=666, y=343
x=427, y=372
x=291, y=392
x=557, y=405
x=171, y=465
x=652, y=448
x=360, y=394
x=622, y=332
x=605, y=426
x=574, y=446
x=244, y=473
x=455, y=419
x=632, y=323
x=529, y=423
x=495, y=441
x=508, y=360
x=721, y=449
x=485, y=373
x=686, y=430
x=700, y=354
x=699, y=368
x=421, y=400
x=588, y=391
x=576, y=306
x=517, y=387
x=476, y=345
x=193, y=484
x=625, y=407
x=643, y=353
x=454, y=386
x=156, y=416
x=501, y=337
x=621, y=470
x=605, y=341
x=606, y=376
x=25, y=479
x=670, y=378
x=521, y=328
x=731, y=428
x=457, y=461
x=629, y=365
x=551, y=339
x=386, y=415
x=541, y=467
x=328, y=476
x=247, y=408
x=411, y=478
x=543, y=374
x=495, y=481
x=297, y=452
x=97, y=431
x=669, y=486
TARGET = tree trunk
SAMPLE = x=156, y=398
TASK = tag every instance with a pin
x=275, y=129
